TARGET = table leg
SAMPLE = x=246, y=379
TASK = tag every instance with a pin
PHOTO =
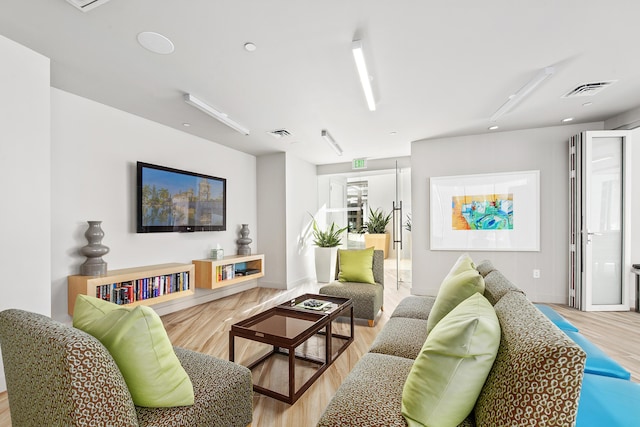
x=638, y=292
x=292, y=374
x=231, y=347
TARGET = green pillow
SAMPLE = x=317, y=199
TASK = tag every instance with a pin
x=449, y=373
x=356, y=265
x=453, y=290
x=139, y=344
x=463, y=263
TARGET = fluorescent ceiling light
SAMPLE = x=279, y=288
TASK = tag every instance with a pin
x=523, y=92
x=206, y=108
x=332, y=142
x=365, y=81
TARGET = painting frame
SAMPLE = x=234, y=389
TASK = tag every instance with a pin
x=519, y=191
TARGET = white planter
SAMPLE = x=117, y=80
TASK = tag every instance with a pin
x=326, y=264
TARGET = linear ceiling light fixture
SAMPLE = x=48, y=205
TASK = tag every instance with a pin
x=206, y=108
x=332, y=142
x=524, y=91
x=363, y=73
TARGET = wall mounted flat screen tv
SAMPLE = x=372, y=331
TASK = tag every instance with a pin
x=171, y=200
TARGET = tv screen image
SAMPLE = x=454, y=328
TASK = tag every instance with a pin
x=176, y=200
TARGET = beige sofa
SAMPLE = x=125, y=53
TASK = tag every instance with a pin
x=535, y=379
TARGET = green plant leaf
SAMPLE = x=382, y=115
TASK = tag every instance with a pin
x=328, y=238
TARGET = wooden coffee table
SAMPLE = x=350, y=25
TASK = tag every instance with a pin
x=288, y=326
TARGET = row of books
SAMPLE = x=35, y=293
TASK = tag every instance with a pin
x=229, y=271
x=141, y=289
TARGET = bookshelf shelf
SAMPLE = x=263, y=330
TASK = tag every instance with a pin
x=134, y=277
x=212, y=274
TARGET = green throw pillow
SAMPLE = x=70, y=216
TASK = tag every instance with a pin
x=139, y=344
x=449, y=373
x=356, y=265
x=453, y=290
x=463, y=263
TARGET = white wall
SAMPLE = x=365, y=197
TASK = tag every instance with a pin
x=272, y=212
x=535, y=149
x=302, y=199
x=93, y=165
x=25, y=213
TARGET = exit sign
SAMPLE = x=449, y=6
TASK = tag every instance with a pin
x=359, y=164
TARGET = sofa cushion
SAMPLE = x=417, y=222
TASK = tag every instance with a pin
x=606, y=401
x=537, y=374
x=402, y=337
x=453, y=290
x=371, y=395
x=556, y=318
x=138, y=343
x=485, y=267
x=496, y=286
x=223, y=395
x=356, y=265
x=415, y=307
x=452, y=366
x=598, y=362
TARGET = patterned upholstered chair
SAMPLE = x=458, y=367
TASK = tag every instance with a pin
x=58, y=375
x=367, y=298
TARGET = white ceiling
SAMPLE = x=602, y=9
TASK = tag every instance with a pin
x=438, y=68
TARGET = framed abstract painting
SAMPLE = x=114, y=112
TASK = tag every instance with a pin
x=486, y=212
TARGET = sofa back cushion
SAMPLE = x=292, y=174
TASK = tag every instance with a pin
x=537, y=374
x=496, y=286
x=485, y=267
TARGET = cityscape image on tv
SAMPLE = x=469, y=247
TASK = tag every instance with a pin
x=172, y=199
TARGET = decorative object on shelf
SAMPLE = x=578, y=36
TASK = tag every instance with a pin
x=217, y=253
x=244, y=240
x=94, y=251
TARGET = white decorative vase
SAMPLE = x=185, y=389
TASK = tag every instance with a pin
x=326, y=264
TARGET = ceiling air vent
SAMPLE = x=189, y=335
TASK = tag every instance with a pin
x=279, y=133
x=86, y=5
x=589, y=89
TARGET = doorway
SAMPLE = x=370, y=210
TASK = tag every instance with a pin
x=347, y=199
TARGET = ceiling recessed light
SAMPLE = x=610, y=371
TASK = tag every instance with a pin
x=186, y=125
x=587, y=104
x=568, y=119
x=393, y=132
x=250, y=47
x=156, y=43
x=494, y=127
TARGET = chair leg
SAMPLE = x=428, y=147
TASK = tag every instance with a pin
x=370, y=323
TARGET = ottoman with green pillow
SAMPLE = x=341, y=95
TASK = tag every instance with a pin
x=360, y=277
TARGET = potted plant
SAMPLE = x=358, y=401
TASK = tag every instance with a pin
x=327, y=242
x=375, y=228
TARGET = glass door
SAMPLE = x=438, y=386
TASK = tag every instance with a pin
x=599, y=222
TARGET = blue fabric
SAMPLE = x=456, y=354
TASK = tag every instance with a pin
x=608, y=402
x=556, y=318
x=598, y=362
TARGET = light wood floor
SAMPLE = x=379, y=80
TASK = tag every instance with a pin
x=205, y=328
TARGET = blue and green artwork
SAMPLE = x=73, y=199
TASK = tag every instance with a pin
x=482, y=212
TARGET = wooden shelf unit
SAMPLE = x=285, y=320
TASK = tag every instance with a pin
x=206, y=270
x=87, y=285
